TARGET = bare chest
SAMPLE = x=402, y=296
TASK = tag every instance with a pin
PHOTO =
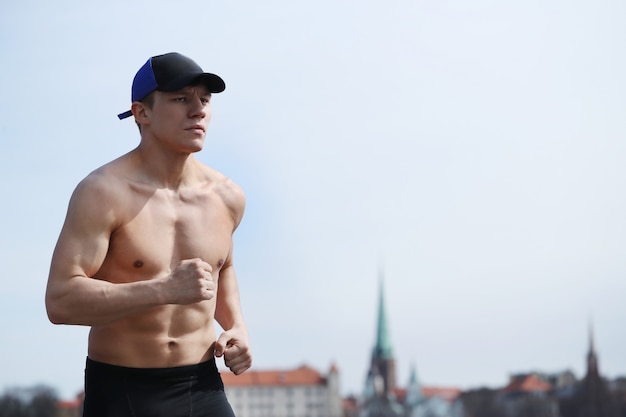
x=158, y=232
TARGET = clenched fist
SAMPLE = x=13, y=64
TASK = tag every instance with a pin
x=234, y=347
x=190, y=282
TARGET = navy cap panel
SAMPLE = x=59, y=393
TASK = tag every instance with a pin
x=144, y=82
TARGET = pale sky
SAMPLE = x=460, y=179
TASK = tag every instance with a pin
x=471, y=151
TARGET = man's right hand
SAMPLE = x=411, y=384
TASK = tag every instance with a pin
x=190, y=282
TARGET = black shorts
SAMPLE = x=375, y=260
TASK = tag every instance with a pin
x=184, y=391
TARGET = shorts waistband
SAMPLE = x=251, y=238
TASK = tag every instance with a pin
x=197, y=370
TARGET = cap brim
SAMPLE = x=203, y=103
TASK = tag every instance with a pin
x=212, y=82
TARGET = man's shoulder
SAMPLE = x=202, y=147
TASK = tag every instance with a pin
x=221, y=182
x=231, y=193
x=103, y=182
x=97, y=200
x=233, y=198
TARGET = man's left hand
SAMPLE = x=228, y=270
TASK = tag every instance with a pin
x=233, y=345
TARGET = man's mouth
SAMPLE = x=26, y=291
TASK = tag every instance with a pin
x=196, y=127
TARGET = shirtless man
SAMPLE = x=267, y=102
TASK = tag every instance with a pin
x=145, y=258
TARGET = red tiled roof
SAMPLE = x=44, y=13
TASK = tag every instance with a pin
x=303, y=375
x=399, y=393
x=448, y=394
x=527, y=383
x=69, y=404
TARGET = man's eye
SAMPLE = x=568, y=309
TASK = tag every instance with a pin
x=181, y=99
x=204, y=100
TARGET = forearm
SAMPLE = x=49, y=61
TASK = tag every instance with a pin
x=228, y=315
x=228, y=309
x=234, y=343
x=89, y=301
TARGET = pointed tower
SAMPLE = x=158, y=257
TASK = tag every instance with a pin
x=596, y=399
x=379, y=399
x=414, y=395
x=383, y=366
x=593, y=370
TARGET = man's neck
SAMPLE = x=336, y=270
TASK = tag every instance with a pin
x=165, y=169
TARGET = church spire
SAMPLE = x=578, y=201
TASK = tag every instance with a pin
x=382, y=349
x=414, y=390
x=592, y=358
x=381, y=378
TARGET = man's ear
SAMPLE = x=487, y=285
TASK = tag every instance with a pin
x=140, y=111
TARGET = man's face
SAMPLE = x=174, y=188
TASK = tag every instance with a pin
x=180, y=119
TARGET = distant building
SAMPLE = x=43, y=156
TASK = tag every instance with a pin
x=304, y=392
x=592, y=397
x=383, y=398
x=300, y=392
x=528, y=395
x=538, y=394
x=71, y=408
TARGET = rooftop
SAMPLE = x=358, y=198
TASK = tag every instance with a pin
x=527, y=383
x=304, y=375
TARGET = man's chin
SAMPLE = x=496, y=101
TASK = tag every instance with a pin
x=196, y=145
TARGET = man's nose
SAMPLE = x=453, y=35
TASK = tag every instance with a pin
x=198, y=108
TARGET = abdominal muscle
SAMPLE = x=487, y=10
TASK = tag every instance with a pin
x=161, y=337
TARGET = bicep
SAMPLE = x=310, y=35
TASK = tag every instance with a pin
x=84, y=239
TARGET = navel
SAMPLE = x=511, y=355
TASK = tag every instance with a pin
x=138, y=263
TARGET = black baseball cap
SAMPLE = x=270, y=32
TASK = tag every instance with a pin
x=170, y=72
